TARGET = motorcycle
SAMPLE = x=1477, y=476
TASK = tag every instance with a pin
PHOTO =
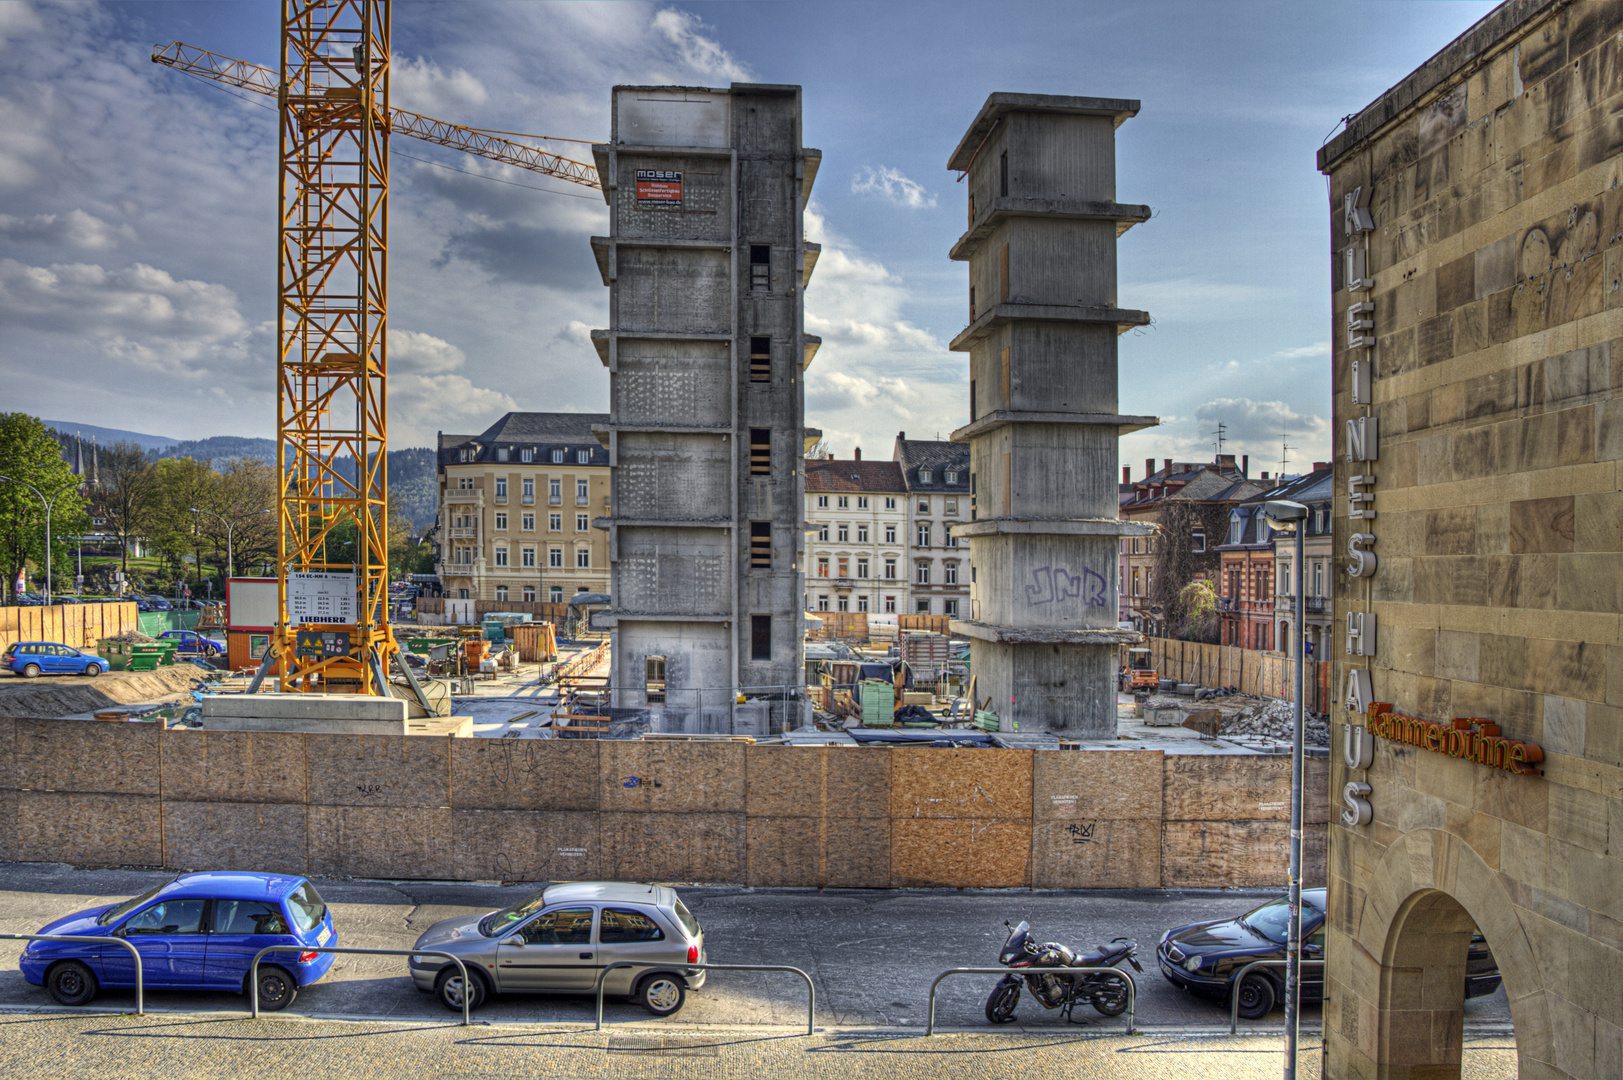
x=1042, y=968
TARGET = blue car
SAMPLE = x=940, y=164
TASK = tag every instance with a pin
x=31, y=659
x=197, y=932
x=191, y=643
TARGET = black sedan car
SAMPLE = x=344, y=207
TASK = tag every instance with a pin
x=1204, y=959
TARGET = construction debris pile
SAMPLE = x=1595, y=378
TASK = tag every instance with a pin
x=1273, y=719
x=132, y=637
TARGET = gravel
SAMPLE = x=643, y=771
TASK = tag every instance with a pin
x=1273, y=719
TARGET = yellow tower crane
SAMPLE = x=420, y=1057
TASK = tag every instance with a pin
x=332, y=363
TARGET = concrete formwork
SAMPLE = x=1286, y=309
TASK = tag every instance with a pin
x=1044, y=425
x=706, y=263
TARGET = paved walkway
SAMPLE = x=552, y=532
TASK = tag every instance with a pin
x=113, y=1045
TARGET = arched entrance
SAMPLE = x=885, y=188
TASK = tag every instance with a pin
x=1397, y=951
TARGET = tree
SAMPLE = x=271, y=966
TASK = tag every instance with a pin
x=184, y=485
x=1186, y=552
x=128, y=495
x=246, y=498
x=30, y=453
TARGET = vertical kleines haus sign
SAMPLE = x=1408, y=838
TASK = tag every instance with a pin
x=1469, y=739
x=659, y=187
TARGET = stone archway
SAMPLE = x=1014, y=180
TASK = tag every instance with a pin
x=1398, y=988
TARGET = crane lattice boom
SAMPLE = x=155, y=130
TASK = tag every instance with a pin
x=245, y=76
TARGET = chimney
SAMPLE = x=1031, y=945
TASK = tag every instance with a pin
x=1320, y=466
x=857, y=454
x=1245, y=465
x=1168, y=464
x=1265, y=476
x=1225, y=461
x=902, y=436
x=1126, y=474
x=1149, y=467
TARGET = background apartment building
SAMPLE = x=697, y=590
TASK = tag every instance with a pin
x=936, y=473
x=1314, y=491
x=516, y=505
x=857, y=547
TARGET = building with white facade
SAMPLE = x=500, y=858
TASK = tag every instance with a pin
x=857, y=542
x=936, y=473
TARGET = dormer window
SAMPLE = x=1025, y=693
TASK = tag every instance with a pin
x=1235, y=525
x=501, y=453
x=583, y=457
x=924, y=476
x=525, y=454
x=950, y=476
x=558, y=457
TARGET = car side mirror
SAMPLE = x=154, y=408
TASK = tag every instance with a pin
x=515, y=940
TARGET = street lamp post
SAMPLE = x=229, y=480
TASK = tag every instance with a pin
x=50, y=504
x=1288, y=516
x=230, y=563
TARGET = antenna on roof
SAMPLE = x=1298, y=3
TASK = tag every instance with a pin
x=1285, y=449
x=1221, y=433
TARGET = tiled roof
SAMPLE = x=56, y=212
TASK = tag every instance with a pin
x=541, y=432
x=830, y=475
x=938, y=456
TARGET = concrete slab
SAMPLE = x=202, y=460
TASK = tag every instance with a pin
x=328, y=714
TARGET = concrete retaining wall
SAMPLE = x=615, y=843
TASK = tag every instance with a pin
x=101, y=794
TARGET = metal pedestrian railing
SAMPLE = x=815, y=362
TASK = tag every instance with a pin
x=811, y=991
x=1132, y=987
x=253, y=970
x=140, y=981
x=1234, y=994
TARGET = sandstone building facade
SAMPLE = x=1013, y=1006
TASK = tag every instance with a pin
x=1476, y=227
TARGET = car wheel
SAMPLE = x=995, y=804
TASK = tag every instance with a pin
x=662, y=994
x=1256, y=997
x=277, y=989
x=92, y=670
x=31, y=671
x=71, y=983
x=1000, y=1006
x=448, y=988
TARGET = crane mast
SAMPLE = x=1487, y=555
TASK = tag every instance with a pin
x=332, y=368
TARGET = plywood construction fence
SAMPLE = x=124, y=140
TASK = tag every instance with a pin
x=542, y=610
x=130, y=794
x=1260, y=674
x=79, y=625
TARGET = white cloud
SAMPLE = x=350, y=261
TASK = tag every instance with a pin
x=421, y=86
x=889, y=184
x=17, y=18
x=699, y=53
x=75, y=229
x=420, y=405
x=412, y=352
x=1318, y=348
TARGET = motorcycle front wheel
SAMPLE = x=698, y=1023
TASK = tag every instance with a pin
x=1000, y=1005
x=1110, y=998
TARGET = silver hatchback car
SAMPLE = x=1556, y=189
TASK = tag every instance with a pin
x=559, y=940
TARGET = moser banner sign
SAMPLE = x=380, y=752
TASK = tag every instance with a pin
x=659, y=186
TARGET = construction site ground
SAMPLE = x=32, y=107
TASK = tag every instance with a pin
x=76, y=695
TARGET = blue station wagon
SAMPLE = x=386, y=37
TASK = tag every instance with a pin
x=197, y=932
x=191, y=643
x=31, y=659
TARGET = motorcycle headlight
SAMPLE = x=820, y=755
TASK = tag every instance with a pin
x=1192, y=963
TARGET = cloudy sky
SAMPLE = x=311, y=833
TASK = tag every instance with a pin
x=138, y=206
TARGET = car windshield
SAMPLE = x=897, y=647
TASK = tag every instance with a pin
x=307, y=907
x=1272, y=920
x=499, y=921
x=689, y=923
x=113, y=914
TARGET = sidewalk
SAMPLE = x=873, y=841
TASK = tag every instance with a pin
x=173, y=1045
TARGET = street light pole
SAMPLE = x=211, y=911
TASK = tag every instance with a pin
x=50, y=504
x=1288, y=516
x=230, y=526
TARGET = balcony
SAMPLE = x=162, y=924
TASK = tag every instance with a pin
x=528, y=500
x=464, y=534
x=1227, y=603
x=465, y=495
x=1317, y=605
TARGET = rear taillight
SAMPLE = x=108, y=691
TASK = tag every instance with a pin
x=306, y=957
x=693, y=954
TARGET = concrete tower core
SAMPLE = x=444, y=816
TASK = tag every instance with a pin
x=1043, y=420
x=706, y=264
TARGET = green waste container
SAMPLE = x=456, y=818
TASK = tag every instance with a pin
x=878, y=703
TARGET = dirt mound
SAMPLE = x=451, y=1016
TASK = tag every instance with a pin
x=66, y=695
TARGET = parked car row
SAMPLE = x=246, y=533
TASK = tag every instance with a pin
x=201, y=931
x=31, y=659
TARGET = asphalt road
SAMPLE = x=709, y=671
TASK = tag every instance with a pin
x=871, y=953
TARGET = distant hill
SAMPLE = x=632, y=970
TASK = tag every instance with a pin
x=105, y=436
x=412, y=481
